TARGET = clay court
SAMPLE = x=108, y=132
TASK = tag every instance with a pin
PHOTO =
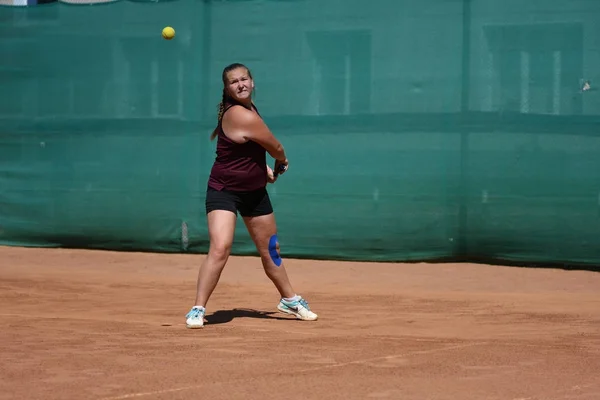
x=106, y=326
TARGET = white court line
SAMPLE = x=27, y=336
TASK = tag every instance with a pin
x=388, y=357
x=392, y=356
x=142, y=394
x=565, y=392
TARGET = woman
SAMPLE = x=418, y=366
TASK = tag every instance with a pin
x=237, y=184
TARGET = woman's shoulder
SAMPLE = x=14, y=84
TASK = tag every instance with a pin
x=241, y=114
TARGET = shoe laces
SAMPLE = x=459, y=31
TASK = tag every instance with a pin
x=195, y=313
x=304, y=304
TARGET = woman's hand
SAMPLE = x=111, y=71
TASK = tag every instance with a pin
x=271, y=178
x=281, y=166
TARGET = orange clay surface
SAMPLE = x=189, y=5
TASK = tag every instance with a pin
x=101, y=325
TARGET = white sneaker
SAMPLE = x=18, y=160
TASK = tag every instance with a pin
x=298, y=308
x=195, y=318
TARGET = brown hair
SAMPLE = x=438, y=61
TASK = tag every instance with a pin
x=225, y=99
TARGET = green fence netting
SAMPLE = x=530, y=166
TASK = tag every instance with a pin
x=415, y=130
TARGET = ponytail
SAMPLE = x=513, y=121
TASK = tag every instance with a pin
x=220, y=112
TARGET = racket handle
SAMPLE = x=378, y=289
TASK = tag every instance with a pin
x=279, y=170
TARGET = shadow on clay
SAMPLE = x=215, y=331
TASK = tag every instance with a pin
x=225, y=316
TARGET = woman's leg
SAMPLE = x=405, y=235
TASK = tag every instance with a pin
x=221, y=227
x=263, y=231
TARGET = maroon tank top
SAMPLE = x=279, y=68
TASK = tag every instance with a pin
x=238, y=166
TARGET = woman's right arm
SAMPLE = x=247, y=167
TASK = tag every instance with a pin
x=249, y=126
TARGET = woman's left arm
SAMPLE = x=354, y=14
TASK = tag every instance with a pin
x=271, y=178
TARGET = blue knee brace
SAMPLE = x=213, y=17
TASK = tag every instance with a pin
x=273, y=252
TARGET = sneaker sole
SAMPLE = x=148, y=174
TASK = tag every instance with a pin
x=298, y=316
x=194, y=326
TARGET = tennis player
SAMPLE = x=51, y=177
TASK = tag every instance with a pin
x=237, y=184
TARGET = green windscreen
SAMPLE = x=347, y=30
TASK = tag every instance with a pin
x=415, y=130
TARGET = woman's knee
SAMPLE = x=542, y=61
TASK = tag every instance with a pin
x=221, y=227
x=220, y=251
x=270, y=251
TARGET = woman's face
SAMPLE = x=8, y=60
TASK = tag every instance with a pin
x=239, y=84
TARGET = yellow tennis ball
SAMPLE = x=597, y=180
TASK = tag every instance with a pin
x=168, y=33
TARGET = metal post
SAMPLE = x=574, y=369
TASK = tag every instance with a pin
x=462, y=245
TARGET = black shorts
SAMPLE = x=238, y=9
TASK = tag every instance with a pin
x=248, y=204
